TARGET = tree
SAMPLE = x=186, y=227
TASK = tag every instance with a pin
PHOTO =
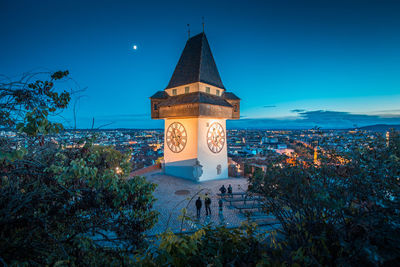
x=208, y=246
x=344, y=211
x=58, y=205
x=27, y=103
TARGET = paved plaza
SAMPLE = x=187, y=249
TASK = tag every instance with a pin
x=173, y=194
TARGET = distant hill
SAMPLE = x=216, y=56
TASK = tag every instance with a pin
x=380, y=127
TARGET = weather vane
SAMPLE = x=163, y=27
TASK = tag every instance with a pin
x=188, y=31
x=202, y=19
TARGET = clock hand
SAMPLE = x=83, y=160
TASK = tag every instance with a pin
x=174, y=137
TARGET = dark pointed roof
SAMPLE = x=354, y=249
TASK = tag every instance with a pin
x=230, y=96
x=196, y=64
x=160, y=95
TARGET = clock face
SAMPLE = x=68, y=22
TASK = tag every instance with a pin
x=216, y=137
x=176, y=137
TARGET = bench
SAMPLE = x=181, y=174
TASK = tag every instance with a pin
x=244, y=200
x=248, y=207
x=232, y=194
x=266, y=221
x=230, y=200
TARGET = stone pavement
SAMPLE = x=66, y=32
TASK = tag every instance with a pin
x=173, y=194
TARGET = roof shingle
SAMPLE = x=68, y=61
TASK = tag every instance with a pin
x=230, y=96
x=160, y=95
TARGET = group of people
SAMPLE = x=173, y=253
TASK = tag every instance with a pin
x=207, y=201
x=223, y=190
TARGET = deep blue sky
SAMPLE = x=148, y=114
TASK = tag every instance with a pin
x=293, y=63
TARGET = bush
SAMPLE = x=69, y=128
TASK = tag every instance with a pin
x=344, y=211
x=58, y=205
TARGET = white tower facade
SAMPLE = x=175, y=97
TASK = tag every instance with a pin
x=200, y=148
x=195, y=107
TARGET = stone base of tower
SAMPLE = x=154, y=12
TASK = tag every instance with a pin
x=193, y=169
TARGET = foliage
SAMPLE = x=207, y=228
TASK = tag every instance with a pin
x=208, y=246
x=343, y=211
x=64, y=205
x=74, y=205
x=27, y=104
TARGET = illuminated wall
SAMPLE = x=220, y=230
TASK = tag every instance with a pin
x=195, y=87
x=207, y=158
x=181, y=164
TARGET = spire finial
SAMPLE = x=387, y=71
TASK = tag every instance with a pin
x=202, y=19
x=188, y=31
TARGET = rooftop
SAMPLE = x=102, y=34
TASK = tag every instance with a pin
x=196, y=64
x=160, y=95
x=230, y=96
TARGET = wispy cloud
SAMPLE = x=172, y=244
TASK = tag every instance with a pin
x=387, y=113
x=303, y=119
x=270, y=106
x=394, y=111
x=297, y=110
x=321, y=118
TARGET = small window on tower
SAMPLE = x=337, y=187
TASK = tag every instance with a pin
x=186, y=89
x=217, y=92
x=235, y=108
x=155, y=106
x=207, y=90
x=173, y=91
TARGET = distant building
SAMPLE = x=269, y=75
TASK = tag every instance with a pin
x=282, y=146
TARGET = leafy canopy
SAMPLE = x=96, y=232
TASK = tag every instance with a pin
x=64, y=205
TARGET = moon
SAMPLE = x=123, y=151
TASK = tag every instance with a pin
x=134, y=47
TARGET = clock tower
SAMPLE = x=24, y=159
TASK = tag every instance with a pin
x=195, y=106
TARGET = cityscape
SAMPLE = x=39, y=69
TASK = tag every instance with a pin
x=254, y=147
x=200, y=133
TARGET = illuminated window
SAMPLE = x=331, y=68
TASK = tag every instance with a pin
x=217, y=92
x=186, y=89
x=208, y=90
x=173, y=91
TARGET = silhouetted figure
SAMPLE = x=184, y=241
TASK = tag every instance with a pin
x=220, y=205
x=207, y=201
x=222, y=190
x=229, y=189
x=198, y=206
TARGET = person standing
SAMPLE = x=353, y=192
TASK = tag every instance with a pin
x=222, y=190
x=198, y=206
x=220, y=205
x=207, y=202
x=230, y=189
